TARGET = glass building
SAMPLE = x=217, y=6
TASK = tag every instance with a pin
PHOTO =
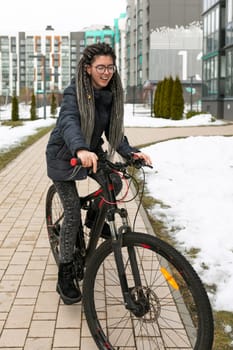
x=217, y=94
x=163, y=37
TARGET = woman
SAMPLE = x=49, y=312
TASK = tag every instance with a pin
x=92, y=105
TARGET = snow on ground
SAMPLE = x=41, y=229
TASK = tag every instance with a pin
x=134, y=116
x=193, y=179
x=141, y=116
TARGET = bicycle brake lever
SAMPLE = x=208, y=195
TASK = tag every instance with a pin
x=138, y=162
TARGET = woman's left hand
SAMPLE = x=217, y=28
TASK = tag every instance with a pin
x=145, y=157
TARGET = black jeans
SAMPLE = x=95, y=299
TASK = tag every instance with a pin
x=69, y=197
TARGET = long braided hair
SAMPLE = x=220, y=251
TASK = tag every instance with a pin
x=86, y=101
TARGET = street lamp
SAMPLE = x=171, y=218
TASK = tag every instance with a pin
x=191, y=91
x=41, y=56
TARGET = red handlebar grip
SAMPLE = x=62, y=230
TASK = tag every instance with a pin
x=74, y=161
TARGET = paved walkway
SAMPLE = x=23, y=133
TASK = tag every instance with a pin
x=31, y=314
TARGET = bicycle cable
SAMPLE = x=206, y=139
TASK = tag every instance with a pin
x=140, y=196
x=128, y=183
x=137, y=191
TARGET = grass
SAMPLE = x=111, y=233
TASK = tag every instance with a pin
x=6, y=156
x=12, y=124
x=223, y=339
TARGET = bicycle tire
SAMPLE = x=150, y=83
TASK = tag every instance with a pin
x=54, y=217
x=180, y=315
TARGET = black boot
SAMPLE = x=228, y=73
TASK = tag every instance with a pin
x=91, y=214
x=67, y=288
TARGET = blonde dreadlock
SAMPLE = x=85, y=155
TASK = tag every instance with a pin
x=86, y=101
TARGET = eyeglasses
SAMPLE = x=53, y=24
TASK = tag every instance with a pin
x=111, y=68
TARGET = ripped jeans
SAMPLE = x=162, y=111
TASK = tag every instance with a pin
x=69, y=197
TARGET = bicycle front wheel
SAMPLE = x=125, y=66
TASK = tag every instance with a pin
x=178, y=314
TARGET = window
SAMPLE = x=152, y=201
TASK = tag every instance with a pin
x=229, y=74
x=211, y=31
x=229, y=22
x=229, y=10
x=210, y=77
x=208, y=4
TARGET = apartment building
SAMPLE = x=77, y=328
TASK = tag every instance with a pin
x=164, y=37
x=45, y=62
x=38, y=62
x=217, y=94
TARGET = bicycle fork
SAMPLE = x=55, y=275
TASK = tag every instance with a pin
x=135, y=299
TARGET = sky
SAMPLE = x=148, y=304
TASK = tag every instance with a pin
x=73, y=15
x=192, y=177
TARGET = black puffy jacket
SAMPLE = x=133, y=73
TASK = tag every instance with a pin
x=67, y=138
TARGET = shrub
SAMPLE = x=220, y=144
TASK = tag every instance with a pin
x=177, y=100
x=168, y=84
x=191, y=114
x=157, y=99
x=53, y=107
x=15, y=109
x=33, y=107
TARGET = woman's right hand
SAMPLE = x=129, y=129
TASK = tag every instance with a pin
x=88, y=159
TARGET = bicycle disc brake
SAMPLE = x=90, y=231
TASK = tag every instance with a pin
x=149, y=307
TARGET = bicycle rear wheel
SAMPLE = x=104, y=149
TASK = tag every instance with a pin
x=179, y=315
x=54, y=218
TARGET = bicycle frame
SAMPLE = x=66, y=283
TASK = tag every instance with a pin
x=108, y=209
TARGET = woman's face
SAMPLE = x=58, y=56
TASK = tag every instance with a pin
x=101, y=71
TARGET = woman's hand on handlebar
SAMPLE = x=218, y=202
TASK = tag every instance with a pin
x=143, y=156
x=88, y=159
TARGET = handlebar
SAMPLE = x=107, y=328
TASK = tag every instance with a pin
x=103, y=162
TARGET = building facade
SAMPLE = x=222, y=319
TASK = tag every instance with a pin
x=38, y=63
x=101, y=34
x=45, y=63
x=217, y=94
x=120, y=46
x=164, y=37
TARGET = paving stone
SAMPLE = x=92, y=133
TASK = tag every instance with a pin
x=38, y=343
x=6, y=300
x=28, y=292
x=69, y=316
x=88, y=343
x=13, y=338
x=44, y=316
x=32, y=278
x=41, y=329
x=9, y=285
x=19, y=316
x=67, y=337
x=47, y=302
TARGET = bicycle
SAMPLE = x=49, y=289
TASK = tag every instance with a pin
x=138, y=291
